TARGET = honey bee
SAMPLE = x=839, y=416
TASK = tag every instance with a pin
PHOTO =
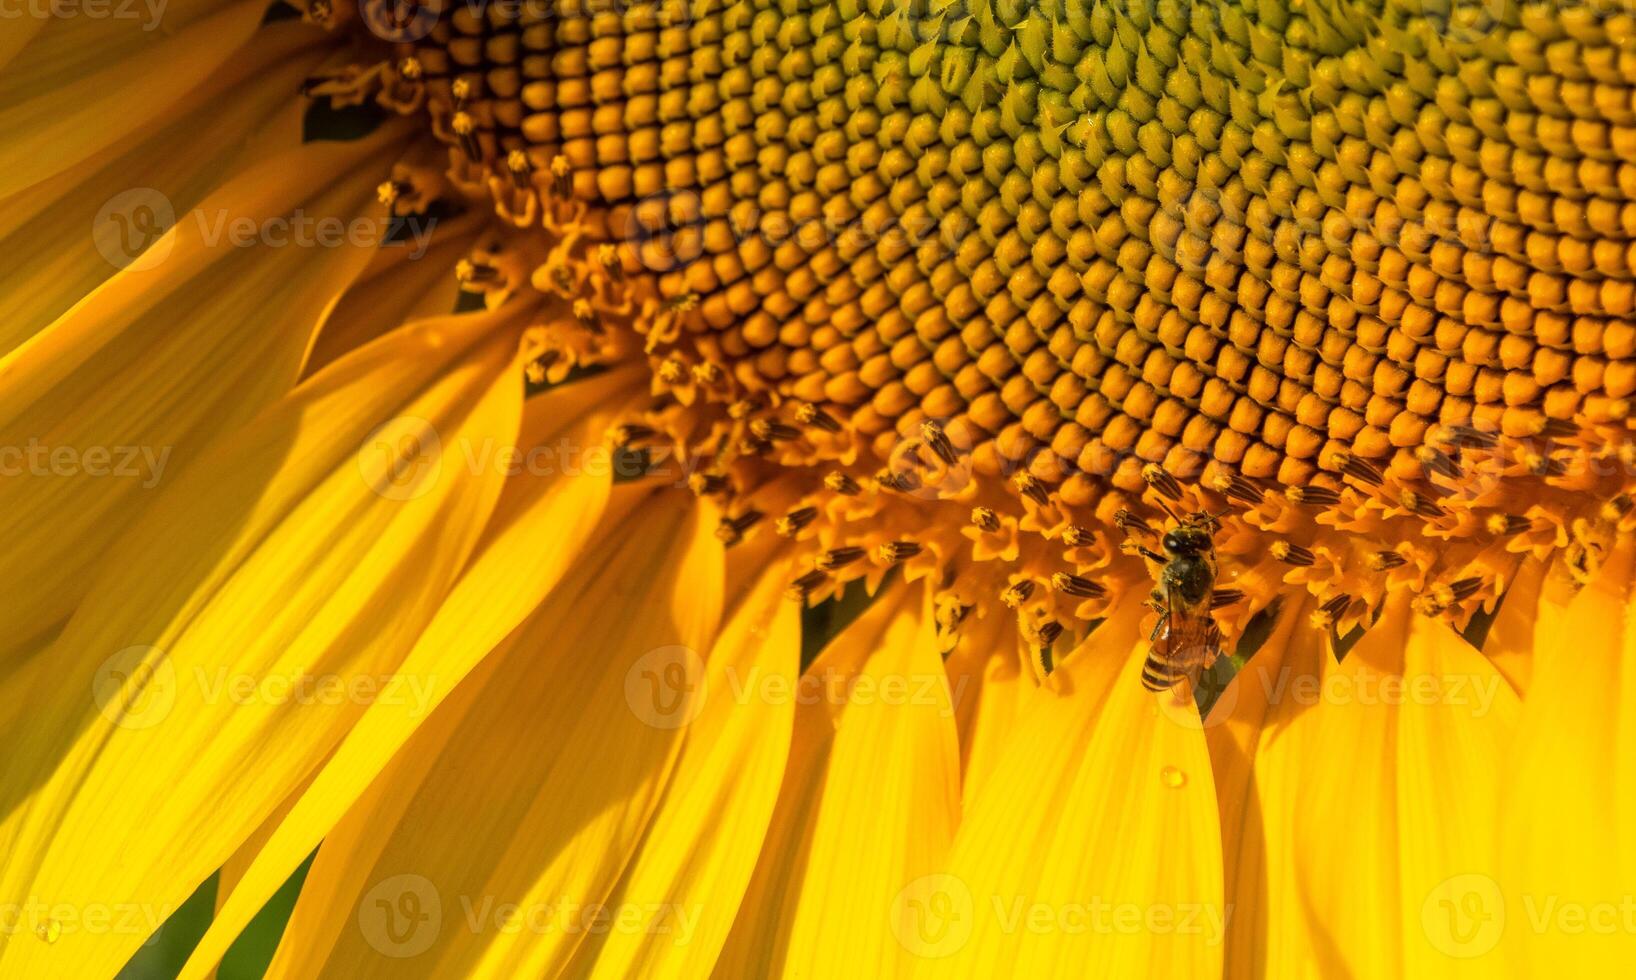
x=1186, y=640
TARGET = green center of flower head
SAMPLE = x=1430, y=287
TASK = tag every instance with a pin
x=1000, y=291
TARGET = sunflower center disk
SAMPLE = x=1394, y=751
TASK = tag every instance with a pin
x=1359, y=275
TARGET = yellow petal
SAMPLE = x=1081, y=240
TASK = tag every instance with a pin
x=990, y=691
x=116, y=397
x=551, y=498
x=1093, y=850
x=1255, y=752
x=1566, y=834
x=1534, y=606
x=85, y=83
x=531, y=787
x=1456, y=725
x=243, y=625
x=696, y=860
x=399, y=286
x=869, y=803
x=1366, y=800
x=757, y=943
x=888, y=807
x=51, y=261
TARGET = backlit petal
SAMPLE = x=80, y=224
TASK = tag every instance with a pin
x=1358, y=796
x=698, y=855
x=551, y=495
x=514, y=810
x=115, y=398
x=87, y=82
x=1565, y=832
x=120, y=195
x=1093, y=849
x=244, y=624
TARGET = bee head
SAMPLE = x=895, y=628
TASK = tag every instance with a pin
x=1187, y=540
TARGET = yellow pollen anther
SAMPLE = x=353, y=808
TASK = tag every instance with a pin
x=1292, y=554
x=672, y=371
x=1617, y=508
x=1077, y=585
x=731, y=529
x=563, y=171
x=1128, y=522
x=1032, y=488
x=903, y=482
x=791, y=524
x=934, y=436
x=842, y=484
x=985, y=519
x=1239, y=489
x=809, y=414
x=1381, y=561
x=772, y=430
x=1419, y=504
x=1314, y=496
x=469, y=272
x=460, y=88
x=1162, y=482
x=804, y=586
x=1507, y=524
x=893, y=552
x=706, y=484
x=836, y=558
x=1017, y=594
x=630, y=433
x=411, y=68
x=1077, y=537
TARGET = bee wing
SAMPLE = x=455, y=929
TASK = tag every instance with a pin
x=1192, y=644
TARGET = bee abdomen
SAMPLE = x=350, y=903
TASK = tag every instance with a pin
x=1158, y=674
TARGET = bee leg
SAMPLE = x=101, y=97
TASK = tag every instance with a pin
x=1164, y=617
x=1151, y=555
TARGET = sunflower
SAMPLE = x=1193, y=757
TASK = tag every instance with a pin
x=695, y=488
